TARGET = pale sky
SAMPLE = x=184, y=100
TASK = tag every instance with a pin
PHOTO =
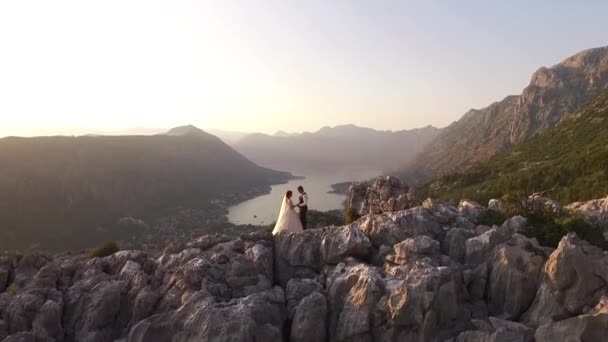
x=274, y=65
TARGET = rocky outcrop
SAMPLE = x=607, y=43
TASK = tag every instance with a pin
x=427, y=273
x=383, y=194
x=594, y=211
x=573, y=281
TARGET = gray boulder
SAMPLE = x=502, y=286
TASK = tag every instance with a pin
x=574, y=279
x=454, y=243
x=343, y=242
x=353, y=292
x=310, y=319
x=258, y=317
x=514, y=275
x=470, y=209
x=297, y=255
x=588, y=327
x=297, y=289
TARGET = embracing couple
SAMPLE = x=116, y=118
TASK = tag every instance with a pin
x=289, y=220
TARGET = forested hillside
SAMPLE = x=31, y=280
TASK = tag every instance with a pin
x=572, y=158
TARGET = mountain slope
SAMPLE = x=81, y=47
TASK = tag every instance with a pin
x=333, y=147
x=54, y=189
x=552, y=95
x=573, y=155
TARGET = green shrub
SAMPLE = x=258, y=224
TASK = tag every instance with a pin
x=13, y=289
x=351, y=215
x=104, y=250
x=491, y=217
x=549, y=230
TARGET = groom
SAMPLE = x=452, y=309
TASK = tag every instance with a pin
x=303, y=205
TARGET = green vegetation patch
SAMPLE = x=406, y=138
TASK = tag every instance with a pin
x=571, y=157
x=105, y=250
x=13, y=289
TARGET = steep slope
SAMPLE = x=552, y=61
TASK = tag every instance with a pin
x=572, y=156
x=65, y=191
x=340, y=146
x=553, y=94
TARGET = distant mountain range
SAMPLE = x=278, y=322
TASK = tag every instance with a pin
x=336, y=147
x=571, y=158
x=553, y=95
x=60, y=190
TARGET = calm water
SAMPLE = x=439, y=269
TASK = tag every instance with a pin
x=265, y=209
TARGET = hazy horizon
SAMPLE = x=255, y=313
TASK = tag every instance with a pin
x=135, y=130
x=68, y=66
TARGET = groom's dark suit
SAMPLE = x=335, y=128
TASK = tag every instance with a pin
x=303, y=205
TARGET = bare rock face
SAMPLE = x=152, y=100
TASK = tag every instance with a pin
x=454, y=244
x=594, y=211
x=310, y=319
x=341, y=243
x=258, y=317
x=384, y=194
x=297, y=289
x=574, y=280
x=298, y=255
x=352, y=293
x=592, y=326
x=478, y=248
x=514, y=274
x=381, y=230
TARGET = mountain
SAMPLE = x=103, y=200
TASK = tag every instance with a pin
x=552, y=96
x=333, y=147
x=187, y=130
x=229, y=137
x=573, y=157
x=68, y=191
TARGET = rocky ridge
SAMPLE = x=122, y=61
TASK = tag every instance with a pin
x=427, y=273
x=553, y=94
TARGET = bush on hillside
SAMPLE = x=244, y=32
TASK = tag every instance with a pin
x=350, y=215
x=546, y=228
x=491, y=217
x=550, y=230
x=13, y=289
x=105, y=250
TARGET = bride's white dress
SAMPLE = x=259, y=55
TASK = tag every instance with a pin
x=289, y=220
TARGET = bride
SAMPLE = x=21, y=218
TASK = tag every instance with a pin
x=289, y=220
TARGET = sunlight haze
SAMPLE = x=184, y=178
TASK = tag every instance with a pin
x=67, y=67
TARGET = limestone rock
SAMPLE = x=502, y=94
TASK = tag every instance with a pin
x=381, y=230
x=574, y=279
x=470, y=209
x=412, y=248
x=258, y=317
x=341, y=243
x=514, y=276
x=454, y=242
x=383, y=194
x=297, y=289
x=593, y=327
x=309, y=322
x=352, y=294
x=595, y=211
x=297, y=255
